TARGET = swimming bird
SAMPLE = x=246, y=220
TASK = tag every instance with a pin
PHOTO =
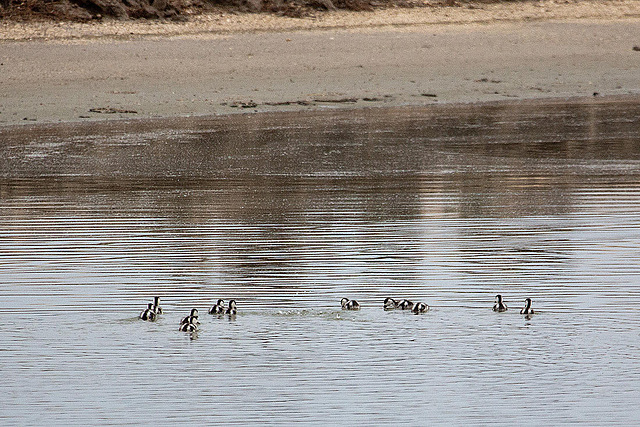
x=499, y=306
x=156, y=305
x=188, y=327
x=191, y=318
x=420, y=307
x=527, y=307
x=148, y=314
x=218, y=308
x=390, y=304
x=405, y=304
x=348, y=304
x=231, y=311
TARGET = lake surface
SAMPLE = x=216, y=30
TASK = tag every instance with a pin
x=289, y=213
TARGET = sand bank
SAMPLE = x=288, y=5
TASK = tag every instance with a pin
x=219, y=64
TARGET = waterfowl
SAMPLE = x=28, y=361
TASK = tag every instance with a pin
x=218, y=308
x=188, y=327
x=191, y=318
x=231, y=311
x=348, y=304
x=390, y=304
x=499, y=306
x=420, y=307
x=527, y=307
x=156, y=305
x=148, y=314
x=405, y=304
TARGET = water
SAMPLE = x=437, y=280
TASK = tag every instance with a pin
x=289, y=213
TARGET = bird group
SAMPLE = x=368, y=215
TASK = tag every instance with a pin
x=190, y=323
x=405, y=304
x=219, y=308
x=500, y=306
x=420, y=307
x=388, y=304
x=152, y=311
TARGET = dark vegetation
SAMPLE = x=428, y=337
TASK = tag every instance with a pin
x=88, y=10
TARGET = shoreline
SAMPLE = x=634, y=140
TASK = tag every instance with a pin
x=367, y=64
x=224, y=22
x=171, y=122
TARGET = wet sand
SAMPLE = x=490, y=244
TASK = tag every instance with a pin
x=50, y=73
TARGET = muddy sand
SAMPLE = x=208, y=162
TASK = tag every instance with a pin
x=221, y=64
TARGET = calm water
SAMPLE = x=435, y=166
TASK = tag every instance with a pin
x=287, y=214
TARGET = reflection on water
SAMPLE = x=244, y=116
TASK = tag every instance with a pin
x=289, y=213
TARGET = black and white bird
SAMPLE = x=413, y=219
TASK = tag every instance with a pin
x=156, y=305
x=527, y=307
x=405, y=304
x=232, y=309
x=420, y=307
x=390, y=304
x=188, y=326
x=348, y=304
x=148, y=314
x=191, y=318
x=499, y=306
x=218, y=308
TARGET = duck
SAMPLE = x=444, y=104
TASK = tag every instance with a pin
x=188, y=327
x=390, y=304
x=499, y=306
x=527, y=307
x=218, y=308
x=405, y=304
x=420, y=307
x=156, y=305
x=191, y=318
x=148, y=314
x=231, y=311
x=348, y=304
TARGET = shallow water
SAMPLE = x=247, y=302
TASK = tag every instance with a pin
x=289, y=213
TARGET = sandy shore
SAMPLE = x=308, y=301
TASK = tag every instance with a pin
x=220, y=64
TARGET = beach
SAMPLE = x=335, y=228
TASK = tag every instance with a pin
x=228, y=63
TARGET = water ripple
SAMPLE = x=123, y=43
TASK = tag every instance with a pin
x=448, y=207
